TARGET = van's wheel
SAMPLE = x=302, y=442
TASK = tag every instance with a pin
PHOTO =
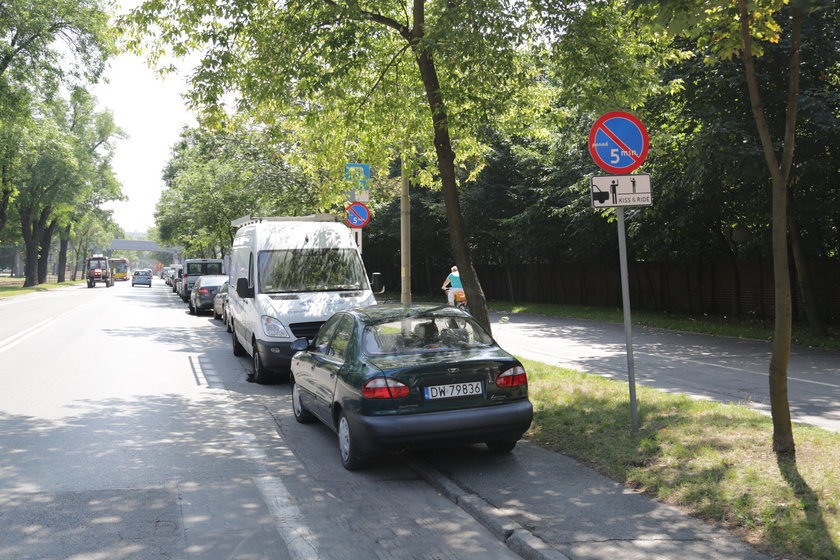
x=238, y=349
x=301, y=414
x=261, y=375
x=351, y=459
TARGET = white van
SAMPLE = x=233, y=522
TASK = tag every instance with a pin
x=287, y=277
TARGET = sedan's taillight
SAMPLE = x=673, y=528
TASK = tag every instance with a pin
x=203, y=291
x=514, y=377
x=384, y=388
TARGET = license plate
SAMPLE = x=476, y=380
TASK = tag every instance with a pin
x=452, y=390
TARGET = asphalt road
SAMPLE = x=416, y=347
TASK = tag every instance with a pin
x=128, y=430
x=724, y=369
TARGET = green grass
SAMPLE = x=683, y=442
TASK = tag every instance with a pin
x=714, y=459
x=707, y=324
x=14, y=286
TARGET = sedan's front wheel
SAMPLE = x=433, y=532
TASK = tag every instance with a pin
x=351, y=458
x=301, y=414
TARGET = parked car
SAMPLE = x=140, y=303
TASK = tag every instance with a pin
x=388, y=377
x=204, y=291
x=288, y=276
x=142, y=277
x=176, y=272
x=220, y=304
x=196, y=268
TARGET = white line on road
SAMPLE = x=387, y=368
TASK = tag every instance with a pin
x=16, y=339
x=26, y=333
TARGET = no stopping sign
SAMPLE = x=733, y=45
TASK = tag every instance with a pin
x=618, y=142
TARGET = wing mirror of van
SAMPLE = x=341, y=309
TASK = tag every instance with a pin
x=242, y=288
x=377, y=284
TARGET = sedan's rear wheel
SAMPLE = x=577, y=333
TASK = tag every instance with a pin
x=301, y=414
x=351, y=458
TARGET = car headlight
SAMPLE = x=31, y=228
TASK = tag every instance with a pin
x=273, y=327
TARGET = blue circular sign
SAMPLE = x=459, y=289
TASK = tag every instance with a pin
x=358, y=215
x=618, y=142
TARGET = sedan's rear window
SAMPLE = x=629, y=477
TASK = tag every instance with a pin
x=423, y=334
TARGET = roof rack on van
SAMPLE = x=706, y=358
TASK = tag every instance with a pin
x=244, y=220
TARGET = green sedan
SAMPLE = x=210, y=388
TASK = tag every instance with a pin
x=391, y=377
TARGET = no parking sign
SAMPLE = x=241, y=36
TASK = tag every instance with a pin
x=358, y=215
x=618, y=142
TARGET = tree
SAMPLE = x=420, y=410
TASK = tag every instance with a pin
x=340, y=68
x=724, y=30
x=30, y=59
x=68, y=167
x=214, y=177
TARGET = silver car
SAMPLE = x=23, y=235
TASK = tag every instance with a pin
x=204, y=291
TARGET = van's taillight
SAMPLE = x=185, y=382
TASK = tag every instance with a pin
x=384, y=388
x=514, y=377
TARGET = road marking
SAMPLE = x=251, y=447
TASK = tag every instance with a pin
x=289, y=521
x=14, y=340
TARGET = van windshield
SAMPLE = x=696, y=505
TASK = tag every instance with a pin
x=311, y=270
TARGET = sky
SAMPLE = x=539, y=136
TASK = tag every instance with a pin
x=152, y=113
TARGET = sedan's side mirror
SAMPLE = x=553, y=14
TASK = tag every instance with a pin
x=300, y=344
x=242, y=288
x=377, y=284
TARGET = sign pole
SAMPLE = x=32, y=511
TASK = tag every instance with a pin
x=628, y=327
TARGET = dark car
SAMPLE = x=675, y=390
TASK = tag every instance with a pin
x=220, y=304
x=204, y=291
x=142, y=277
x=389, y=377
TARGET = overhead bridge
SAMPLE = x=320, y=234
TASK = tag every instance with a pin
x=137, y=245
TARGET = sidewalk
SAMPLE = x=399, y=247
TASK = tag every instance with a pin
x=545, y=506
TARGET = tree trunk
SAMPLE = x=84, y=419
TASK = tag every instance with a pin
x=30, y=240
x=45, y=244
x=446, y=168
x=62, y=253
x=783, y=443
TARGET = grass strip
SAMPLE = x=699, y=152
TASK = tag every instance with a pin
x=14, y=286
x=713, y=459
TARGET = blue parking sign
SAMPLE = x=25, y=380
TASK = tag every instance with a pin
x=358, y=215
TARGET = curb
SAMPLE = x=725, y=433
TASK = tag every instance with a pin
x=519, y=540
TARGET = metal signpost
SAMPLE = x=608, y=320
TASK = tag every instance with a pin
x=618, y=142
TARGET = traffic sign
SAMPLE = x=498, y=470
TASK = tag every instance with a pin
x=618, y=142
x=615, y=191
x=359, y=175
x=358, y=215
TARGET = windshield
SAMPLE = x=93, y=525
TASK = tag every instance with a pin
x=98, y=263
x=311, y=270
x=424, y=333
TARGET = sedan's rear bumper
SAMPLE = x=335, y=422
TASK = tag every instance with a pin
x=502, y=422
